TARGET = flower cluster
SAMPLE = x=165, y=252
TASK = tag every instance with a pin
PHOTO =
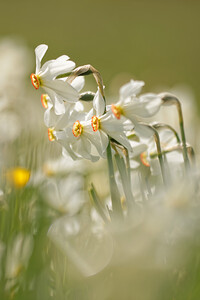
x=87, y=134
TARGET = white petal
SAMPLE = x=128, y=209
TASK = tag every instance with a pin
x=57, y=67
x=67, y=152
x=62, y=89
x=83, y=147
x=39, y=53
x=138, y=148
x=63, y=120
x=134, y=164
x=100, y=140
x=175, y=157
x=89, y=115
x=62, y=139
x=143, y=109
x=62, y=58
x=167, y=138
x=110, y=124
x=155, y=166
x=57, y=101
x=143, y=131
x=130, y=89
x=50, y=118
x=152, y=104
x=79, y=106
x=98, y=103
x=78, y=83
x=121, y=138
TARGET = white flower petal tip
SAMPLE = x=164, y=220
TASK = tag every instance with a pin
x=131, y=88
x=41, y=50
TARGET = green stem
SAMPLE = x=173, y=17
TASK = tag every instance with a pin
x=128, y=168
x=158, y=146
x=115, y=196
x=173, y=100
x=97, y=203
x=160, y=157
x=181, y=124
x=124, y=178
x=162, y=125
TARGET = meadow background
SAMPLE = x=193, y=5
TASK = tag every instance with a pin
x=152, y=40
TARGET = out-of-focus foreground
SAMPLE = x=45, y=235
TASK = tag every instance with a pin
x=54, y=243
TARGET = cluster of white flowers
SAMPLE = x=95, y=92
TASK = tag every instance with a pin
x=79, y=132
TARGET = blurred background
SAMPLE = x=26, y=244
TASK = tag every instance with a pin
x=155, y=41
x=152, y=40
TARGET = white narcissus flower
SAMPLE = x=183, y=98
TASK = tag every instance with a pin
x=77, y=132
x=50, y=118
x=171, y=150
x=81, y=137
x=45, y=76
x=74, y=132
x=135, y=109
x=105, y=124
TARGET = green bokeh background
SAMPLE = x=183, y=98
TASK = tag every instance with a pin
x=152, y=40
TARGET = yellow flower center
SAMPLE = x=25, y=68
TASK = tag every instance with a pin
x=117, y=111
x=77, y=129
x=143, y=158
x=36, y=82
x=44, y=100
x=51, y=134
x=95, y=123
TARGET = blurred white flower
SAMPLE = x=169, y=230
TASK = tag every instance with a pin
x=65, y=194
x=18, y=254
x=85, y=248
x=171, y=151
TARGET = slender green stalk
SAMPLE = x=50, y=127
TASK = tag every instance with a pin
x=173, y=100
x=191, y=153
x=124, y=179
x=181, y=124
x=128, y=168
x=160, y=157
x=159, y=151
x=97, y=203
x=162, y=125
x=115, y=196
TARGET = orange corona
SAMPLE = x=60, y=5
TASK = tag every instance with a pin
x=143, y=158
x=77, y=129
x=117, y=111
x=51, y=134
x=95, y=123
x=35, y=81
x=44, y=100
